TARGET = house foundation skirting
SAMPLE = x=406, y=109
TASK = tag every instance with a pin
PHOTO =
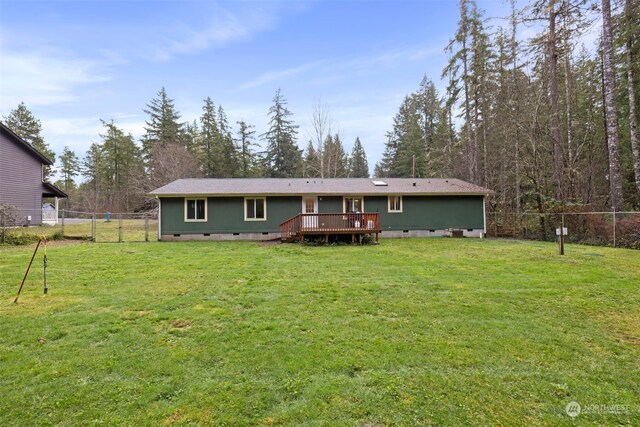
x=427, y=233
x=272, y=236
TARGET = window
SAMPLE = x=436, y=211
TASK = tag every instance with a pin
x=255, y=209
x=195, y=210
x=309, y=205
x=353, y=204
x=395, y=203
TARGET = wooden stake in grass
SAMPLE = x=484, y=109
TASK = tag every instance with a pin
x=29, y=267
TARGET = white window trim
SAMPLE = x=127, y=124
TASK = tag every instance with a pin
x=245, y=208
x=344, y=198
x=389, y=210
x=315, y=203
x=206, y=213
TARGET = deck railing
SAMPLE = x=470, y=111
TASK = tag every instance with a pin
x=330, y=223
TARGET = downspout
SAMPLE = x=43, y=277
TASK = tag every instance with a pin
x=159, y=218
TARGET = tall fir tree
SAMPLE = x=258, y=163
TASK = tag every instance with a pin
x=21, y=121
x=358, y=165
x=312, y=166
x=283, y=158
x=209, y=139
x=247, y=155
x=69, y=168
x=163, y=125
x=335, y=158
x=227, y=151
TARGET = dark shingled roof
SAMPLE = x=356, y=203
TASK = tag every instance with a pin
x=316, y=186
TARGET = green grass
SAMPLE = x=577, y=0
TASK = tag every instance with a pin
x=410, y=332
x=133, y=230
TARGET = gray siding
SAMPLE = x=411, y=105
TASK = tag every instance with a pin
x=20, y=180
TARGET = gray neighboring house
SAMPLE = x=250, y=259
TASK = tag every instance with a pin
x=21, y=179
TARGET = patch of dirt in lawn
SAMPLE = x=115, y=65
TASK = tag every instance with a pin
x=173, y=418
x=181, y=323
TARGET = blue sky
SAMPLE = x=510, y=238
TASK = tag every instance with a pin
x=76, y=62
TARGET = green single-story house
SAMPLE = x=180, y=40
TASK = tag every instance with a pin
x=271, y=208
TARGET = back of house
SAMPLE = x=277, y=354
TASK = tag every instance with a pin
x=256, y=208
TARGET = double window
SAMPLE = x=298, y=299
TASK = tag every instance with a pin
x=255, y=209
x=195, y=210
x=395, y=204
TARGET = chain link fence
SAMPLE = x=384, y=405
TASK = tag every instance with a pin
x=619, y=229
x=19, y=226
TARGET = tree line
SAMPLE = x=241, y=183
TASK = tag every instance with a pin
x=117, y=172
x=546, y=123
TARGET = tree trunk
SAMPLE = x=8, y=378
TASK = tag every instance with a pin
x=569, y=112
x=615, y=179
x=633, y=124
x=473, y=160
x=556, y=135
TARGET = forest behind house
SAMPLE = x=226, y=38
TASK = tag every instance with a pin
x=548, y=123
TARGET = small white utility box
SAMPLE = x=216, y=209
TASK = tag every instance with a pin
x=565, y=231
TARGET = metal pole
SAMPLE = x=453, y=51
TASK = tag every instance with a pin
x=562, y=235
x=119, y=228
x=45, y=267
x=62, y=228
x=146, y=228
x=614, y=228
x=93, y=227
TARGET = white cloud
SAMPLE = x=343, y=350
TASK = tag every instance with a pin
x=224, y=28
x=45, y=77
x=330, y=69
x=273, y=76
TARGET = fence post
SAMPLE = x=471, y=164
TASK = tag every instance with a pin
x=62, y=225
x=495, y=224
x=119, y=228
x=146, y=228
x=93, y=227
x=614, y=228
x=4, y=228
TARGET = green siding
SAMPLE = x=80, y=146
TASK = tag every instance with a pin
x=329, y=204
x=429, y=212
x=226, y=215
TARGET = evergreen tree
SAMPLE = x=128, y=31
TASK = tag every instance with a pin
x=358, y=165
x=90, y=170
x=209, y=139
x=69, y=168
x=283, y=158
x=120, y=165
x=247, y=156
x=26, y=126
x=163, y=125
x=335, y=158
x=312, y=166
x=228, y=164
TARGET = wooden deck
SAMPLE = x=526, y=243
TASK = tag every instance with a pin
x=328, y=224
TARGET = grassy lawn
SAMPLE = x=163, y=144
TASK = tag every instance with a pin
x=133, y=230
x=410, y=332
